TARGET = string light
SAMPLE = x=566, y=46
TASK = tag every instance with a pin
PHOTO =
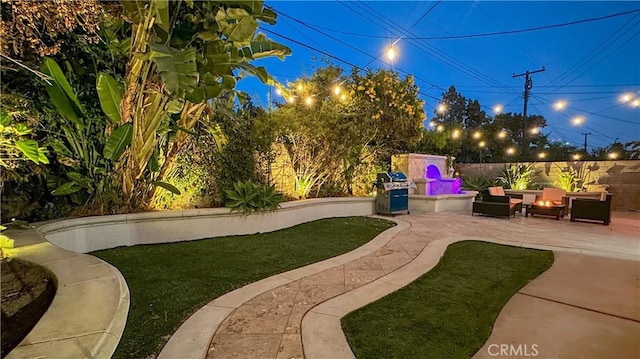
x=440, y=128
x=576, y=156
x=391, y=53
x=278, y=91
x=502, y=134
x=542, y=155
x=613, y=155
x=481, y=144
x=455, y=134
x=336, y=90
x=511, y=151
x=343, y=97
x=309, y=101
x=577, y=121
x=442, y=108
x=535, y=131
x=497, y=108
x=477, y=135
x=626, y=97
x=560, y=105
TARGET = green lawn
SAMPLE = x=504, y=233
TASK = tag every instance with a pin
x=168, y=282
x=449, y=311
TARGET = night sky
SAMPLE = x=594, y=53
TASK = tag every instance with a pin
x=590, y=65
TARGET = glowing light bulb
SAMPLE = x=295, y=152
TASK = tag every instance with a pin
x=535, y=131
x=542, y=155
x=278, y=91
x=477, y=134
x=626, y=97
x=482, y=144
x=613, y=155
x=560, y=105
x=455, y=134
x=299, y=87
x=636, y=103
x=308, y=101
x=343, y=97
x=502, y=134
x=432, y=124
x=577, y=121
x=391, y=53
x=291, y=99
x=442, y=108
x=497, y=108
x=576, y=156
x=440, y=128
x=336, y=90
x=511, y=150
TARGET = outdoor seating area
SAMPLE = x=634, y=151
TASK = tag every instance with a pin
x=553, y=202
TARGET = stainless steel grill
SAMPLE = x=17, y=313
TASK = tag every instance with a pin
x=392, y=193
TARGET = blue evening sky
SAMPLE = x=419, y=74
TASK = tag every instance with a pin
x=588, y=65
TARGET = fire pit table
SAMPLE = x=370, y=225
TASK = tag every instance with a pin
x=545, y=209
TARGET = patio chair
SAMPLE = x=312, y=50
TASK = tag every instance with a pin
x=499, y=191
x=557, y=196
x=497, y=206
x=592, y=209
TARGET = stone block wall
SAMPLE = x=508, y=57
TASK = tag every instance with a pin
x=622, y=178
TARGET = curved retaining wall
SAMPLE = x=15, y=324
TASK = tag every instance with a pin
x=88, y=234
x=89, y=311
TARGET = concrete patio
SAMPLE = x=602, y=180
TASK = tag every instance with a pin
x=266, y=320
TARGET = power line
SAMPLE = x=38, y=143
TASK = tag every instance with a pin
x=409, y=29
x=335, y=57
x=507, y=32
x=423, y=47
x=606, y=43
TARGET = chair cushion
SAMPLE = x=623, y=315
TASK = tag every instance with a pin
x=515, y=200
x=553, y=194
x=496, y=191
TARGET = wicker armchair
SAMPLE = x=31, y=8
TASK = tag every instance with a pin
x=592, y=209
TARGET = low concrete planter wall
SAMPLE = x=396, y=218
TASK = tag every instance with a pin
x=88, y=234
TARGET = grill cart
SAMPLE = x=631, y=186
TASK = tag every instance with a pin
x=392, y=193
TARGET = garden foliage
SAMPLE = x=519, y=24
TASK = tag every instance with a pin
x=518, y=176
x=247, y=197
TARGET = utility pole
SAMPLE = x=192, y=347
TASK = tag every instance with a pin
x=528, y=84
x=585, y=134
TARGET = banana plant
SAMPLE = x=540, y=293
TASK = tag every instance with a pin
x=185, y=54
x=91, y=163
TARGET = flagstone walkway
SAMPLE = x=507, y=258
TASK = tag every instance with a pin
x=263, y=320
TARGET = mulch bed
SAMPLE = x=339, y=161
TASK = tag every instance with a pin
x=27, y=292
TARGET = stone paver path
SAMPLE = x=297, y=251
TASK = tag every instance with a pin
x=269, y=324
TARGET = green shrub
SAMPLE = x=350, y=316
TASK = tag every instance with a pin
x=247, y=197
x=517, y=176
x=569, y=179
x=477, y=183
